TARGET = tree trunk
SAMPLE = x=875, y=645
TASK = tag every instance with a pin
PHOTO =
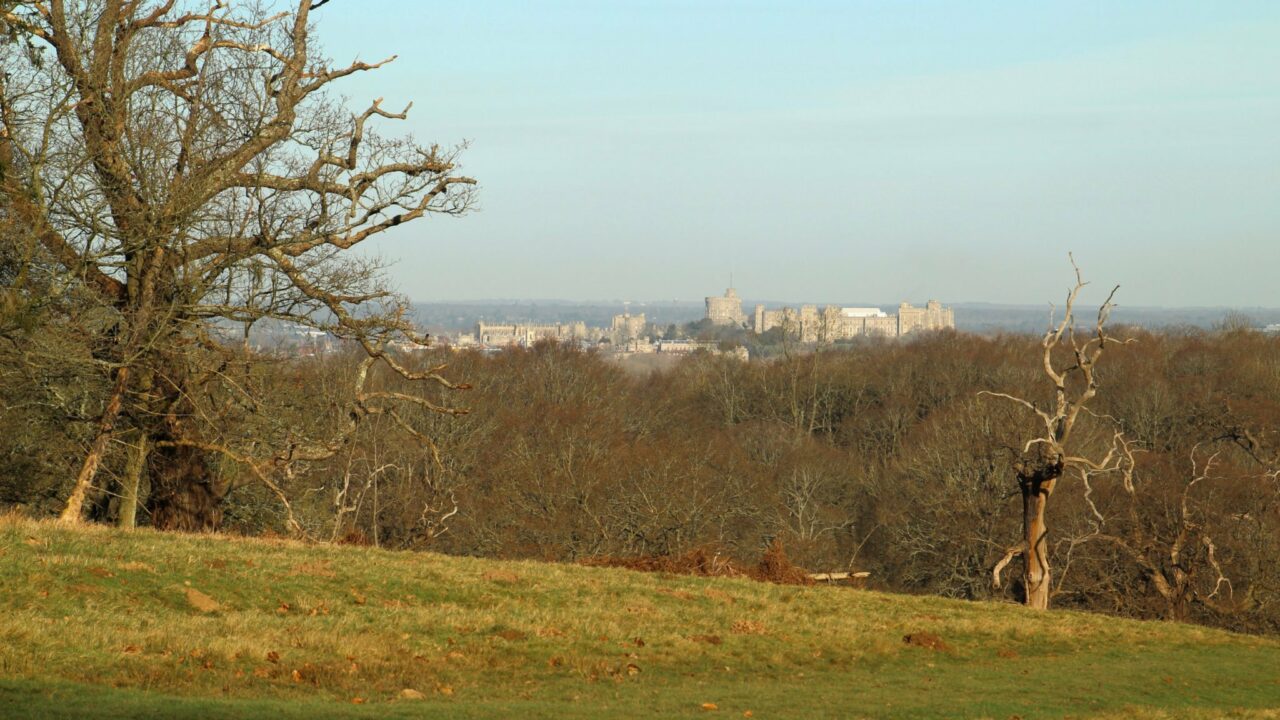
x=1035, y=572
x=133, y=470
x=1179, y=607
x=185, y=494
x=1176, y=594
x=74, y=510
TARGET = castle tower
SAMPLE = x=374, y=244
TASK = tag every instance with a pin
x=726, y=310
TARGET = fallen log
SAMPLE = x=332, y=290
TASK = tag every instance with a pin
x=837, y=576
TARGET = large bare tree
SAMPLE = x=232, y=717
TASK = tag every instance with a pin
x=1070, y=365
x=189, y=165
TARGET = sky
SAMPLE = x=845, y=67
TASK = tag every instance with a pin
x=836, y=151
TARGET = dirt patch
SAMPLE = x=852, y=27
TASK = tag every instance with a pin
x=503, y=577
x=926, y=640
x=723, y=597
x=202, y=602
x=316, y=569
x=748, y=627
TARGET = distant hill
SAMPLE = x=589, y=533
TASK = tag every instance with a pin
x=108, y=624
x=442, y=316
x=988, y=317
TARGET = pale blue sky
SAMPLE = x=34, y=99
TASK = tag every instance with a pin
x=838, y=151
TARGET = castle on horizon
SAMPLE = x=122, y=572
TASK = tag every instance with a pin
x=830, y=323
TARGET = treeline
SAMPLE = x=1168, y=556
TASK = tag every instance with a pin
x=885, y=456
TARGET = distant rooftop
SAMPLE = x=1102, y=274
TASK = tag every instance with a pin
x=858, y=312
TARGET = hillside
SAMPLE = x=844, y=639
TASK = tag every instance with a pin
x=101, y=623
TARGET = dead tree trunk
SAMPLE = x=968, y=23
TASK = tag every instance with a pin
x=1036, y=488
x=1045, y=457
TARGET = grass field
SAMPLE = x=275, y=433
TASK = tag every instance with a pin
x=106, y=624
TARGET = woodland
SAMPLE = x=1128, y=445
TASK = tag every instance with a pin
x=889, y=457
x=173, y=174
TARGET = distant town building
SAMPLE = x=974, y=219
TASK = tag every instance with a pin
x=726, y=310
x=831, y=323
x=686, y=347
x=526, y=334
x=628, y=333
x=626, y=327
x=461, y=341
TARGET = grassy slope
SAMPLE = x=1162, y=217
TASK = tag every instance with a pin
x=98, y=623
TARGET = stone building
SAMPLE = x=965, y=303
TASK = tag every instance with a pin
x=726, y=310
x=930, y=317
x=526, y=334
x=687, y=347
x=626, y=327
x=831, y=323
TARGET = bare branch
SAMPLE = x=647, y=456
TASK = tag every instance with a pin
x=999, y=567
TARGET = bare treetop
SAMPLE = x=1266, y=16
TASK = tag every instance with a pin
x=190, y=164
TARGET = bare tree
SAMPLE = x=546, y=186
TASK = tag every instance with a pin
x=187, y=164
x=1043, y=459
x=1181, y=561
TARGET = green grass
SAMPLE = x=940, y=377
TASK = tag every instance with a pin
x=96, y=622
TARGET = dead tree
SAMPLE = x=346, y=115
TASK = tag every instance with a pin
x=1043, y=459
x=188, y=164
x=1180, y=561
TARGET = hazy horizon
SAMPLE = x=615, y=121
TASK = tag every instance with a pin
x=747, y=302
x=838, y=149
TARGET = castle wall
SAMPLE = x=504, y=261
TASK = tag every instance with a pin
x=831, y=323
